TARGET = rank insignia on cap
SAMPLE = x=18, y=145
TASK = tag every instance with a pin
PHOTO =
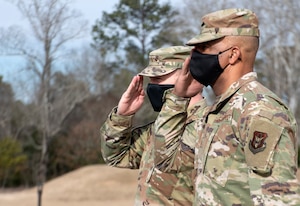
x=257, y=143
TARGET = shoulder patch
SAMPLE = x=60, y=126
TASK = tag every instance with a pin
x=257, y=143
x=262, y=139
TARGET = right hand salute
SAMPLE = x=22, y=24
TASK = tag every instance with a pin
x=186, y=85
x=133, y=98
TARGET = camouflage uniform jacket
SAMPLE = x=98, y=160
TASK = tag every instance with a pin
x=126, y=147
x=170, y=148
x=246, y=153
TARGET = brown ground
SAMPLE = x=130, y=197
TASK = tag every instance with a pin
x=96, y=185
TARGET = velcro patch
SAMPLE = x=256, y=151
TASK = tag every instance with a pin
x=263, y=137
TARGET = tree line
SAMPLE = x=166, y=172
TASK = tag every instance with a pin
x=73, y=91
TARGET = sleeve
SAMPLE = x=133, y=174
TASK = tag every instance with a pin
x=271, y=155
x=121, y=145
x=168, y=129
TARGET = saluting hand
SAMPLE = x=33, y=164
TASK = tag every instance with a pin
x=186, y=85
x=133, y=98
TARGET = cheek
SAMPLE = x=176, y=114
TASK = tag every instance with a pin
x=169, y=80
x=223, y=61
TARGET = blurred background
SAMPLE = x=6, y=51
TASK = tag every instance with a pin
x=64, y=65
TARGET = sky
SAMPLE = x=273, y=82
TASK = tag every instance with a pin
x=12, y=67
x=91, y=10
x=10, y=16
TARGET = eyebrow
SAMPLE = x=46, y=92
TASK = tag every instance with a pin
x=203, y=46
x=158, y=77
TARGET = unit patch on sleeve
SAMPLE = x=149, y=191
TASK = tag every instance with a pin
x=257, y=143
x=262, y=138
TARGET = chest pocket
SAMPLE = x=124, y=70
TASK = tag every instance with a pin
x=203, y=144
x=220, y=150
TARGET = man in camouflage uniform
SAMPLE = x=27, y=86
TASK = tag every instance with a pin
x=246, y=150
x=127, y=147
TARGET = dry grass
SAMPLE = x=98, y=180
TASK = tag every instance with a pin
x=96, y=185
x=89, y=186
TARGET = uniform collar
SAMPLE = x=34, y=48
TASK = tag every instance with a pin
x=234, y=87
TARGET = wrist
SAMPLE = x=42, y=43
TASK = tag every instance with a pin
x=176, y=102
x=177, y=93
x=123, y=113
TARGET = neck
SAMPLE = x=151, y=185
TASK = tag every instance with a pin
x=228, y=77
x=195, y=99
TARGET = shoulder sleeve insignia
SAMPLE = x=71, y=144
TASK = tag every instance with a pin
x=257, y=143
x=262, y=138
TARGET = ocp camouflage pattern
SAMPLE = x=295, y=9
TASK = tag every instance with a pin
x=165, y=60
x=247, y=151
x=227, y=22
x=246, y=148
x=170, y=143
x=127, y=147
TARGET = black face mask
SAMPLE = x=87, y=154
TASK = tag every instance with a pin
x=155, y=94
x=205, y=68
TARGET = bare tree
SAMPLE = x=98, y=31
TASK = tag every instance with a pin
x=280, y=48
x=279, y=56
x=93, y=69
x=53, y=25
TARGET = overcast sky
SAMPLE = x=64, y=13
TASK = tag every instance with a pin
x=91, y=9
x=10, y=16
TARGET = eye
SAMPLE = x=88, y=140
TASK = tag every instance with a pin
x=155, y=79
x=202, y=47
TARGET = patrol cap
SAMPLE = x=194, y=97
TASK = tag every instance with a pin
x=228, y=22
x=165, y=60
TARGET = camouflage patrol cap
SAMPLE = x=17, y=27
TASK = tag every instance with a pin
x=228, y=22
x=165, y=60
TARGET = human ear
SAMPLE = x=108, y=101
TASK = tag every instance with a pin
x=235, y=55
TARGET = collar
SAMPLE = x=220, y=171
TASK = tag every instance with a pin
x=234, y=87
